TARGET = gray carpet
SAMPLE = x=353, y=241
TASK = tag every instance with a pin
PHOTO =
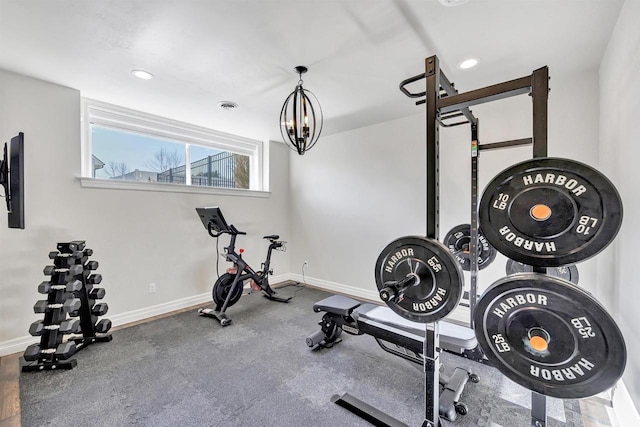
x=186, y=370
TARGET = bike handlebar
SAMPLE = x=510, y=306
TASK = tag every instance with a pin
x=234, y=231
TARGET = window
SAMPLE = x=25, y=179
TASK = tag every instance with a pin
x=124, y=148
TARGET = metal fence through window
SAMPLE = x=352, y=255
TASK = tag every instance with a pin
x=212, y=171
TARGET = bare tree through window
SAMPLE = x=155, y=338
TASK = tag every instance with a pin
x=164, y=160
x=117, y=169
x=241, y=171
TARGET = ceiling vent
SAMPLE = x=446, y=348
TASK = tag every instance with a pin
x=228, y=105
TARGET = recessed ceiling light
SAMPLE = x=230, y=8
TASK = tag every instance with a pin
x=228, y=105
x=451, y=3
x=468, y=63
x=141, y=74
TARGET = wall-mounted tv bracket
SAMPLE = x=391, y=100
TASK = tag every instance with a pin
x=12, y=179
x=443, y=103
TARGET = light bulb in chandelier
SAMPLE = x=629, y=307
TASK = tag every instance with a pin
x=301, y=117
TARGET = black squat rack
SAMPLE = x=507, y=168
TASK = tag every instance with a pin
x=443, y=103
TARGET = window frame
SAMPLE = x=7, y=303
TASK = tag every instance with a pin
x=111, y=116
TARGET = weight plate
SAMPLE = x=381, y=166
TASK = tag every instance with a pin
x=222, y=287
x=436, y=277
x=458, y=240
x=549, y=336
x=568, y=272
x=550, y=212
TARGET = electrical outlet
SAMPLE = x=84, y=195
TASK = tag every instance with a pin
x=152, y=288
x=305, y=264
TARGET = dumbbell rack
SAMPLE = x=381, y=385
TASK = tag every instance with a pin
x=70, y=291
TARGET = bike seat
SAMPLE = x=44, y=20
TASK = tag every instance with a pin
x=272, y=237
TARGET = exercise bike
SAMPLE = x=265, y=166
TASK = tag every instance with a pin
x=229, y=287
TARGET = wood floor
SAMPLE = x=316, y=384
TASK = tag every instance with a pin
x=10, y=391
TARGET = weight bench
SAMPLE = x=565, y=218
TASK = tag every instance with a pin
x=400, y=337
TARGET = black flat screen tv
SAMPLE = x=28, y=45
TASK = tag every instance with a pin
x=12, y=179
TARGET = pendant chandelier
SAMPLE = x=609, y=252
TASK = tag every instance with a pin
x=301, y=117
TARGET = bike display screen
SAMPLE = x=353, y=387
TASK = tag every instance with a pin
x=213, y=216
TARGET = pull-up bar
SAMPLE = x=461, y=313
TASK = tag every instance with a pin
x=451, y=104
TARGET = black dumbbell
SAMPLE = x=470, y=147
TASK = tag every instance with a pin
x=71, y=286
x=74, y=255
x=68, y=261
x=45, y=287
x=88, y=252
x=76, y=245
x=69, y=326
x=91, y=265
x=73, y=270
x=94, y=279
x=66, y=350
x=63, y=351
x=97, y=293
x=100, y=309
x=71, y=304
x=32, y=352
x=36, y=328
x=103, y=326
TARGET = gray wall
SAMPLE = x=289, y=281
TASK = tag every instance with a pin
x=619, y=154
x=138, y=237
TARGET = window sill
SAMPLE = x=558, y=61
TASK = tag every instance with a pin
x=167, y=188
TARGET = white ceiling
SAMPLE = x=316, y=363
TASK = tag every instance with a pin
x=357, y=51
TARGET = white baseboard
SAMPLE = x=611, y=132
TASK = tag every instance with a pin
x=18, y=345
x=368, y=294
x=168, y=307
x=156, y=310
x=280, y=278
x=624, y=408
